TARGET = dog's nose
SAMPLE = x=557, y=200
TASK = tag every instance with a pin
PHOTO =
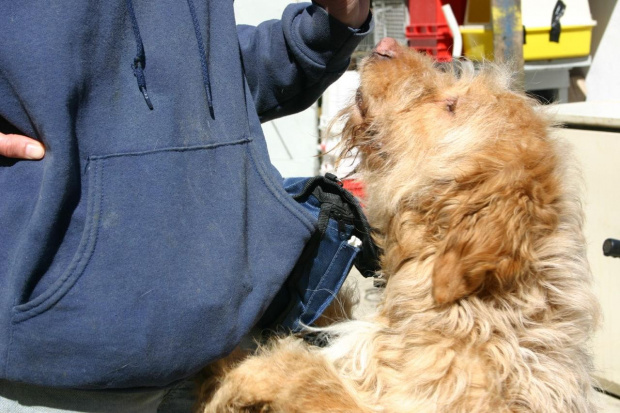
x=387, y=47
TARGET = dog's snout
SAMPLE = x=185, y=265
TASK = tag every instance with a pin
x=387, y=48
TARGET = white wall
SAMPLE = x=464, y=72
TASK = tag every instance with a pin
x=292, y=141
x=596, y=152
x=254, y=12
x=602, y=81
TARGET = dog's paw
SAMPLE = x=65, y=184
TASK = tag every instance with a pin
x=287, y=377
x=248, y=388
x=231, y=398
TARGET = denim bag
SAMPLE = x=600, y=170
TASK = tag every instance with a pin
x=342, y=239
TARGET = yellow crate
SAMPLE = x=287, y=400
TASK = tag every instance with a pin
x=574, y=42
x=477, y=42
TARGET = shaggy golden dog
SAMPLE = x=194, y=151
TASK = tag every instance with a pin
x=487, y=304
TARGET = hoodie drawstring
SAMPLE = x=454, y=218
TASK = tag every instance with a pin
x=139, y=62
x=203, y=56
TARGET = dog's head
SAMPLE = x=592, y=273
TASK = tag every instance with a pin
x=465, y=161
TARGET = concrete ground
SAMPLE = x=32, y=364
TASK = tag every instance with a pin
x=369, y=296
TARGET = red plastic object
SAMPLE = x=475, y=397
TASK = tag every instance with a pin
x=428, y=30
x=458, y=8
x=355, y=187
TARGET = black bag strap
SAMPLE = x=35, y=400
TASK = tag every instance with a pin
x=342, y=206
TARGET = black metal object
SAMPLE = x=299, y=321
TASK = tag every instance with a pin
x=611, y=248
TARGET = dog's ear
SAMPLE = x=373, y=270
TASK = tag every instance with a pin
x=476, y=253
x=492, y=228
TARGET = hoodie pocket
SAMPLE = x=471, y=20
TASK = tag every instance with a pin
x=181, y=252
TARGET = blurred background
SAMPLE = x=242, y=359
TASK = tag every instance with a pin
x=565, y=54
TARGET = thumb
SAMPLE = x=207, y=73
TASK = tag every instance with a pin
x=21, y=147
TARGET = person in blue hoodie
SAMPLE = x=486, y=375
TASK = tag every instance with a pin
x=154, y=232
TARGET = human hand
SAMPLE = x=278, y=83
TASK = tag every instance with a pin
x=22, y=147
x=353, y=13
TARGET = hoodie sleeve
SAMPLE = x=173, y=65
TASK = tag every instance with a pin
x=290, y=62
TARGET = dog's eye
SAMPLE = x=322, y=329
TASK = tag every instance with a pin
x=451, y=104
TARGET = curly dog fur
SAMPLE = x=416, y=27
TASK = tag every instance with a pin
x=487, y=304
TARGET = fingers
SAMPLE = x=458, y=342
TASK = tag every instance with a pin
x=353, y=13
x=21, y=147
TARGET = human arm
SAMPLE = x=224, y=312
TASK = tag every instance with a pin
x=290, y=62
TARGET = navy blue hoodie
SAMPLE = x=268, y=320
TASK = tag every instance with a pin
x=147, y=242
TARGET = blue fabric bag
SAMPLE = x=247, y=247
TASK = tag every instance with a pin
x=328, y=256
